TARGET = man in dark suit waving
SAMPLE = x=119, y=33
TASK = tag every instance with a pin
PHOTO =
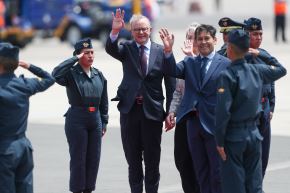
x=198, y=104
x=140, y=99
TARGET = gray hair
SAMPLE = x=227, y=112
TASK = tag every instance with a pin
x=137, y=17
x=191, y=28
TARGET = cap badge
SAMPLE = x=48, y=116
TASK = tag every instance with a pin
x=85, y=44
x=254, y=26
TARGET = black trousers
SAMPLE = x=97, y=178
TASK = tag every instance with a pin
x=141, y=139
x=280, y=26
x=202, y=146
x=84, y=135
x=183, y=160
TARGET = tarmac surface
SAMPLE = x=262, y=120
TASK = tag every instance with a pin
x=46, y=122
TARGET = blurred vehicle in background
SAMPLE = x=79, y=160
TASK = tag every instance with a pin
x=14, y=28
x=89, y=19
x=45, y=15
x=69, y=20
x=94, y=19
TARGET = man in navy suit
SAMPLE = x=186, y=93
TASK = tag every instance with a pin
x=198, y=104
x=140, y=99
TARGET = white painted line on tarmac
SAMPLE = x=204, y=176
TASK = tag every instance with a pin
x=278, y=166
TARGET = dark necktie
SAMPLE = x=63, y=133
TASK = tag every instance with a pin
x=143, y=60
x=203, y=65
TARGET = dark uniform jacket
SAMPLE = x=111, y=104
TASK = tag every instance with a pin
x=268, y=90
x=134, y=83
x=239, y=90
x=14, y=99
x=223, y=50
x=83, y=90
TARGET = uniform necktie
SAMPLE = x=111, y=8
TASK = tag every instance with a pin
x=203, y=65
x=143, y=60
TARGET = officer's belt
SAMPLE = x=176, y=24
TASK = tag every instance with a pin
x=12, y=138
x=243, y=124
x=86, y=108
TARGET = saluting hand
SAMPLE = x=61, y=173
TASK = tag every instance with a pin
x=23, y=64
x=80, y=55
x=167, y=39
x=254, y=52
x=118, y=21
x=222, y=153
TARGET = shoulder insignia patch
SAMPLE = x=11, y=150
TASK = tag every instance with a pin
x=221, y=90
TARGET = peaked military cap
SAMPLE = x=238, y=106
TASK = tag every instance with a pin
x=227, y=24
x=7, y=50
x=253, y=24
x=82, y=44
x=240, y=39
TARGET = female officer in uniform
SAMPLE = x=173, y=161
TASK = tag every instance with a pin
x=87, y=117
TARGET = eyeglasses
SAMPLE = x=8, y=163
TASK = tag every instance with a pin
x=138, y=30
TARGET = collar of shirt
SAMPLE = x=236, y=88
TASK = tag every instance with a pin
x=147, y=46
x=89, y=73
x=5, y=78
x=210, y=57
x=146, y=50
x=7, y=75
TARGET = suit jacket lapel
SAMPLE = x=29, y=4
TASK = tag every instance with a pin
x=152, y=57
x=214, y=64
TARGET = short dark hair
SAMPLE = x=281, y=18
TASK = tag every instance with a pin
x=207, y=28
x=9, y=65
x=237, y=50
x=240, y=39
